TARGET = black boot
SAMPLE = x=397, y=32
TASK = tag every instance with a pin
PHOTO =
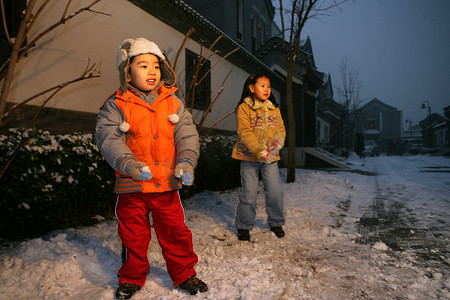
x=126, y=290
x=193, y=285
x=243, y=235
x=279, y=232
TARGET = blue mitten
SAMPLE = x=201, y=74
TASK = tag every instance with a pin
x=146, y=174
x=138, y=170
x=186, y=171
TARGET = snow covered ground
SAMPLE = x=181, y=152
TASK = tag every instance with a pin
x=380, y=232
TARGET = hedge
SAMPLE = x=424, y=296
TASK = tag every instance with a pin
x=62, y=181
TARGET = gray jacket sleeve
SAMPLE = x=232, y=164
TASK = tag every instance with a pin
x=110, y=140
x=186, y=137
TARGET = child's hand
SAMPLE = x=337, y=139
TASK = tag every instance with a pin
x=276, y=144
x=186, y=171
x=263, y=155
x=138, y=170
x=270, y=159
x=146, y=174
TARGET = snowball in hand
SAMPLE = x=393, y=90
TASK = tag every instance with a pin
x=145, y=174
x=187, y=178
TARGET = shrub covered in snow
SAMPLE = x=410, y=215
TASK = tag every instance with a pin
x=60, y=181
x=55, y=181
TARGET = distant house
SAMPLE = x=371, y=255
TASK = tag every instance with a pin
x=447, y=115
x=434, y=131
x=440, y=134
x=380, y=122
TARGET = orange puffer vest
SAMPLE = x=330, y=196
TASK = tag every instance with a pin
x=151, y=139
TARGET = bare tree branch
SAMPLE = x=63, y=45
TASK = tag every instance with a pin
x=223, y=58
x=206, y=111
x=217, y=122
x=15, y=55
x=5, y=27
x=17, y=52
x=65, y=10
x=300, y=12
x=186, y=37
x=62, y=21
x=34, y=18
x=85, y=75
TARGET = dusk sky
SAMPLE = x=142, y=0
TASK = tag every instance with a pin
x=401, y=48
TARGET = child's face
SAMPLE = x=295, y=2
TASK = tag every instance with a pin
x=144, y=73
x=261, y=89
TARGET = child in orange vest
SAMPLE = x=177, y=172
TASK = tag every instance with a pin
x=149, y=138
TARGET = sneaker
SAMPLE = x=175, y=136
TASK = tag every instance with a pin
x=243, y=235
x=279, y=232
x=126, y=290
x=193, y=285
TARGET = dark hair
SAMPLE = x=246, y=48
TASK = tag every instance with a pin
x=252, y=79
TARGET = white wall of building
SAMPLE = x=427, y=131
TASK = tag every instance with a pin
x=63, y=55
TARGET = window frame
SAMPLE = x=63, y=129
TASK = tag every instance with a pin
x=202, y=98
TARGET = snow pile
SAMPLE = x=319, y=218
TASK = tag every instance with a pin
x=318, y=258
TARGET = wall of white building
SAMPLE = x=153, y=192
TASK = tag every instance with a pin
x=63, y=55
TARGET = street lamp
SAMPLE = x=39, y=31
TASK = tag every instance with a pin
x=430, y=137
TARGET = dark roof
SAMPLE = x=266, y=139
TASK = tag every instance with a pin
x=331, y=108
x=182, y=18
x=306, y=47
x=274, y=46
x=378, y=103
x=434, y=119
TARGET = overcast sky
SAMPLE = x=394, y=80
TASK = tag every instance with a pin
x=401, y=48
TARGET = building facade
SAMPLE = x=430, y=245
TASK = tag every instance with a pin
x=381, y=122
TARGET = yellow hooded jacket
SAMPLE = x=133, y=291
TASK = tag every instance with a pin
x=257, y=123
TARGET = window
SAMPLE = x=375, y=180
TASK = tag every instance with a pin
x=13, y=10
x=202, y=96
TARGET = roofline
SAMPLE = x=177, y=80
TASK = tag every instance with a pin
x=182, y=18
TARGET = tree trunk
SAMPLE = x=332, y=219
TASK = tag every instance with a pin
x=14, y=55
x=291, y=122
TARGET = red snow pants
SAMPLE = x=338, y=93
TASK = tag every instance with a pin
x=175, y=239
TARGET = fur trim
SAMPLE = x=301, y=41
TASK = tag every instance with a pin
x=174, y=118
x=124, y=127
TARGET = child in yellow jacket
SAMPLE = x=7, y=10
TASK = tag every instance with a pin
x=260, y=136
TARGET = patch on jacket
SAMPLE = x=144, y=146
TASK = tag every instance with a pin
x=256, y=120
x=243, y=151
x=272, y=120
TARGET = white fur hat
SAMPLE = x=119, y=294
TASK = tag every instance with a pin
x=133, y=47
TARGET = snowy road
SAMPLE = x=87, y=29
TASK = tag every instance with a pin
x=412, y=200
x=379, y=232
